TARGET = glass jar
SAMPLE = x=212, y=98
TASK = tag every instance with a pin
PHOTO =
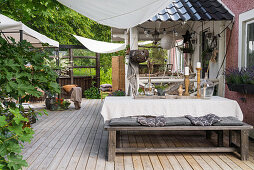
x=149, y=89
x=207, y=87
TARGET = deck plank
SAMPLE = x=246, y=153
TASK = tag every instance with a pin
x=76, y=139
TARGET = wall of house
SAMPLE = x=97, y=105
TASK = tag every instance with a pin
x=238, y=7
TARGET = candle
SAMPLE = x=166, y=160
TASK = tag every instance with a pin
x=186, y=71
x=198, y=65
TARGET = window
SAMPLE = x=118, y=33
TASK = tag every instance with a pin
x=246, y=39
x=249, y=44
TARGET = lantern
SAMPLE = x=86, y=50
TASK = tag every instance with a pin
x=166, y=42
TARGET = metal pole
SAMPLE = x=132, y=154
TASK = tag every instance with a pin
x=21, y=35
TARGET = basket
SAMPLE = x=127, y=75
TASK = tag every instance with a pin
x=68, y=88
x=139, y=56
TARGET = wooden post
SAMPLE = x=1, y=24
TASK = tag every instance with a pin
x=71, y=63
x=98, y=70
x=244, y=145
x=111, y=145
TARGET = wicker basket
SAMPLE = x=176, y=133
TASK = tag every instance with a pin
x=139, y=56
x=68, y=88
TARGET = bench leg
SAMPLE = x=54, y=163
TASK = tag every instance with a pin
x=111, y=145
x=220, y=138
x=244, y=145
x=118, y=137
x=230, y=138
x=208, y=134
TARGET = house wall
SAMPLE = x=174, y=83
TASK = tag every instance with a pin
x=238, y=7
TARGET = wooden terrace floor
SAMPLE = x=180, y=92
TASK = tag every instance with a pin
x=75, y=139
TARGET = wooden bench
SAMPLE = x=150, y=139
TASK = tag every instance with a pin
x=243, y=149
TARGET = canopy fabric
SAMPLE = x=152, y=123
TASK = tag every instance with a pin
x=11, y=28
x=118, y=13
x=100, y=46
x=104, y=47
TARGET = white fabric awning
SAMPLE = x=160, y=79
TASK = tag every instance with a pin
x=100, y=46
x=104, y=47
x=11, y=28
x=118, y=13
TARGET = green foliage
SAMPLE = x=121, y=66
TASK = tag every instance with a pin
x=157, y=55
x=57, y=21
x=17, y=79
x=161, y=86
x=11, y=138
x=118, y=93
x=106, y=76
x=92, y=93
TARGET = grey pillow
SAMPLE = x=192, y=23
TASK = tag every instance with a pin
x=177, y=121
x=229, y=121
x=124, y=121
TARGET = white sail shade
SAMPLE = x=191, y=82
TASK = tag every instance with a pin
x=118, y=13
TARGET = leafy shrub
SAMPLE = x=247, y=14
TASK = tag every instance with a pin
x=11, y=138
x=22, y=73
x=242, y=76
x=92, y=93
x=118, y=93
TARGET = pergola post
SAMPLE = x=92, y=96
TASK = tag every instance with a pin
x=71, y=63
x=221, y=77
x=98, y=70
x=134, y=46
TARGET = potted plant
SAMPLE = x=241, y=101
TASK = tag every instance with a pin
x=240, y=80
x=62, y=104
x=117, y=93
x=161, y=89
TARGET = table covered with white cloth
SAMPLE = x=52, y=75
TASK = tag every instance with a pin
x=116, y=107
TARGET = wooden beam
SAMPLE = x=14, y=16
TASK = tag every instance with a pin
x=86, y=57
x=84, y=66
x=175, y=150
x=72, y=47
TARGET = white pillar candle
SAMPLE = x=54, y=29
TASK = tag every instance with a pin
x=186, y=71
x=198, y=65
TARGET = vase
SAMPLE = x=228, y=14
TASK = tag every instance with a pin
x=161, y=92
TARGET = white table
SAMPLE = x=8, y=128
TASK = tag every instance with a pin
x=116, y=107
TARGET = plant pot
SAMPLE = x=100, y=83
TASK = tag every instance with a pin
x=242, y=88
x=161, y=92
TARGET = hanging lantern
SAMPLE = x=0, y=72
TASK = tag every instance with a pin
x=166, y=42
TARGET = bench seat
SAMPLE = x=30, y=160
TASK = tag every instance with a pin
x=179, y=124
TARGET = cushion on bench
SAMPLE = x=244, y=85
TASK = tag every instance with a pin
x=132, y=121
x=229, y=121
x=177, y=121
x=124, y=121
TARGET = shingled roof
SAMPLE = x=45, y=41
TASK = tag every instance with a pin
x=194, y=10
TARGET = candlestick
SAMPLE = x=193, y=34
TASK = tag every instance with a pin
x=198, y=65
x=198, y=82
x=186, y=83
x=186, y=71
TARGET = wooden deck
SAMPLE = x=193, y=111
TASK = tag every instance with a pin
x=75, y=139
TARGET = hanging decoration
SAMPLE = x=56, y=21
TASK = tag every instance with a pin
x=166, y=42
x=139, y=56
